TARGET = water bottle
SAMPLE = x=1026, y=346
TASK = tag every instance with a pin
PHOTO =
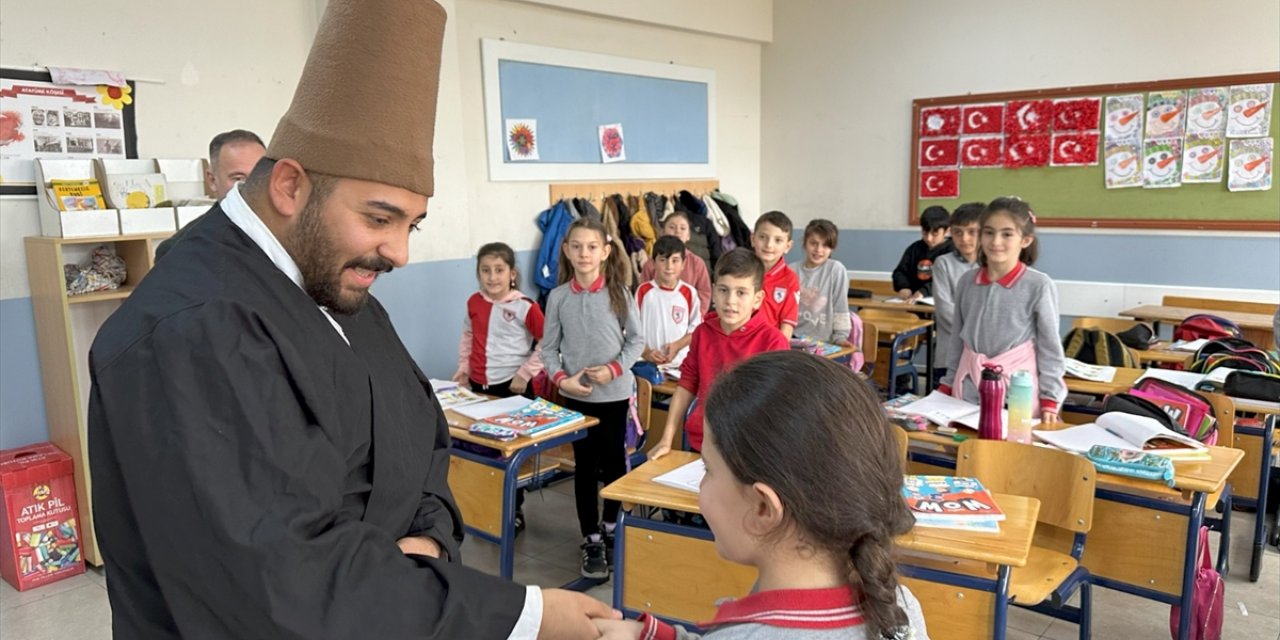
x=991, y=403
x=1020, y=407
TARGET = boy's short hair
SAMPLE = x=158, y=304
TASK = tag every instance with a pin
x=741, y=263
x=668, y=246
x=775, y=218
x=967, y=214
x=934, y=217
x=825, y=230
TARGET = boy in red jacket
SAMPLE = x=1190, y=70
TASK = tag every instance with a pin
x=726, y=335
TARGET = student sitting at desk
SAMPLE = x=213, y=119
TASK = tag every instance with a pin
x=1007, y=312
x=948, y=269
x=818, y=521
x=824, y=285
x=726, y=335
x=914, y=274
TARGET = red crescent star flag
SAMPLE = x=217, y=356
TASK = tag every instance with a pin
x=1077, y=114
x=981, y=118
x=940, y=184
x=939, y=121
x=1074, y=149
x=982, y=151
x=1029, y=150
x=1028, y=116
x=939, y=152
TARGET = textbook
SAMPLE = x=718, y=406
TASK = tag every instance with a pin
x=943, y=410
x=950, y=502
x=686, y=477
x=77, y=195
x=1094, y=372
x=1129, y=432
x=817, y=347
x=453, y=397
x=535, y=417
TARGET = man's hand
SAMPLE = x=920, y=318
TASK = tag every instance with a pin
x=419, y=546
x=568, y=615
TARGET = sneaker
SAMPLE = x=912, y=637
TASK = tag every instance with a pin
x=608, y=538
x=519, y=521
x=595, y=564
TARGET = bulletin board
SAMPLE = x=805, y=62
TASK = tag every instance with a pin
x=1077, y=196
x=547, y=109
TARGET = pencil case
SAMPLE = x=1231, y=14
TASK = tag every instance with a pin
x=493, y=432
x=1135, y=464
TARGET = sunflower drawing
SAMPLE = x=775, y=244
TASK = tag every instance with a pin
x=521, y=139
x=117, y=97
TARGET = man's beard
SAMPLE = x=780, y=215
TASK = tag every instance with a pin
x=313, y=250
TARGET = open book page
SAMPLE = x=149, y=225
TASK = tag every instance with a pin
x=482, y=410
x=687, y=477
x=1121, y=431
x=1096, y=373
x=942, y=409
x=1185, y=379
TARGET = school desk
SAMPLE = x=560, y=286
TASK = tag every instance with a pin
x=673, y=570
x=1160, y=353
x=893, y=333
x=1123, y=381
x=668, y=386
x=1249, y=482
x=1257, y=326
x=485, y=487
x=1144, y=535
x=883, y=302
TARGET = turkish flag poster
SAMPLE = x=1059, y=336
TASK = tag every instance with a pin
x=1077, y=114
x=943, y=183
x=982, y=118
x=1028, y=116
x=982, y=151
x=939, y=121
x=939, y=152
x=1030, y=150
x=1074, y=149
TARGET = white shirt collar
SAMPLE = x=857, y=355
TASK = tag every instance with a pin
x=241, y=215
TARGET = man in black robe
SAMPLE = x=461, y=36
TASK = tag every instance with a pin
x=267, y=459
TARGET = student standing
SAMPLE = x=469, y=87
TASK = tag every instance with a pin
x=914, y=274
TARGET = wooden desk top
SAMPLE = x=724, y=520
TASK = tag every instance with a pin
x=458, y=425
x=1010, y=546
x=1123, y=381
x=1160, y=352
x=890, y=327
x=1255, y=406
x=882, y=302
x=1161, y=313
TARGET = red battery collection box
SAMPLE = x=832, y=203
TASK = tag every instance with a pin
x=40, y=531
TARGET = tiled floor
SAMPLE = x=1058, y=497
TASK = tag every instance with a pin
x=548, y=556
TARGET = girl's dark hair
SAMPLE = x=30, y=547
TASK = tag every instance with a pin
x=1023, y=218
x=503, y=252
x=678, y=212
x=806, y=426
x=614, y=269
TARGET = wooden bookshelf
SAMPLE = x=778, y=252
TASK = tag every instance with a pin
x=65, y=328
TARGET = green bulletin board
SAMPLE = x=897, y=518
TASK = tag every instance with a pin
x=1077, y=196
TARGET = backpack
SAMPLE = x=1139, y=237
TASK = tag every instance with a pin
x=1253, y=385
x=1206, y=597
x=1203, y=325
x=1190, y=409
x=1233, y=353
x=1139, y=406
x=1095, y=346
x=859, y=358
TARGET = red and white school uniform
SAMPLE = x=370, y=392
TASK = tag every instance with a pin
x=498, y=338
x=667, y=315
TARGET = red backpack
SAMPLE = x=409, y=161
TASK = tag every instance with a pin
x=1203, y=325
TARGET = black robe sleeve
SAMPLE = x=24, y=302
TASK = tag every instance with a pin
x=234, y=479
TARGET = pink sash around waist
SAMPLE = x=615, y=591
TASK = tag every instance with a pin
x=1022, y=357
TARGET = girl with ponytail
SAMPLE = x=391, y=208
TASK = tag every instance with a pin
x=803, y=482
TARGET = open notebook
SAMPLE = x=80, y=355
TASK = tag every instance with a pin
x=1129, y=432
x=944, y=410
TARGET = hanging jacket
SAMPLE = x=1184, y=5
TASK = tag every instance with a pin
x=720, y=223
x=554, y=223
x=701, y=225
x=610, y=215
x=656, y=205
x=642, y=225
x=738, y=229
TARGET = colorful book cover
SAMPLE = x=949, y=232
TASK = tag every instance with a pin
x=1161, y=160
x=1202, y=158
x=457, y=397
x=1250, y=165
x=1076, y=114
x=535, y=417
x=982, y=151
x=816, y=347
x=1074, y=149
x=1166, y=113
x=1028, y=116
x=1249, y=110
x=136, y=191
x=949, y=498
x=982, y=118
x=1124, y=117
x=1123, y=164
x=77, y=195
x=939, y=152
x=1207, y=111
x=939, y=121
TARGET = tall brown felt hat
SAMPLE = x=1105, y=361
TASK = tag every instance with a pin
x=365, y=107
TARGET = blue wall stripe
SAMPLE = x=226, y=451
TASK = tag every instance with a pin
x=22, y=417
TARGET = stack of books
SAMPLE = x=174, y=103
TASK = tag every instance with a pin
x=524, y=416
x=948, y=502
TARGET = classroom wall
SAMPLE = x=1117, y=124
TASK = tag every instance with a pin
x=205, y=86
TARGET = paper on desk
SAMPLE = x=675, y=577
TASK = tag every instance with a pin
x=686, y=477
x=438, y=385
x=925, y=300
x=1188, y=345
x=942, y=409
x=1094, y=372
x=482, y=410
x=1182, y=378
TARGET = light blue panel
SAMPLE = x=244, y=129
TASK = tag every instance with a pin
x=663, y=121
x=22, y=417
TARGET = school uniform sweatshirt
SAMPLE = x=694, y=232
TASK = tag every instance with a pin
x=915, y=269
x=824, y=301
x=947, y=271
x=712, y=352
x=498, y=338
x=582, y=331
x=994, y=317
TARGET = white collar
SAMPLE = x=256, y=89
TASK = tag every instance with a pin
x=241, y=215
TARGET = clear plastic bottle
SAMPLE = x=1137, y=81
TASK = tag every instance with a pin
x=1021, y=405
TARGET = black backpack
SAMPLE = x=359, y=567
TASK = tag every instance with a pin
x=1095, y=346
x=1131, y=404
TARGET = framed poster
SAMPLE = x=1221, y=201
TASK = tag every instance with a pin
x=40, y=119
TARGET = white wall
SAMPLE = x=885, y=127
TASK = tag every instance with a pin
x=839, y=78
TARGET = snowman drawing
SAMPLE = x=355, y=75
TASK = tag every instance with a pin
x=1122, y=165
x=1248, y=113
x=1203, y=160
x=1249, y=167
x=1122, y=123
x=1161, y=165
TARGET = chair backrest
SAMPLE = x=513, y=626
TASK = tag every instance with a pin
x=870, y=345
x=871, y=315
x=900, y=435
x=876, y=287
x=1224, y=409
x=1064, y=483
x=1110, y=325
x=1220, y=305
x=644, y=401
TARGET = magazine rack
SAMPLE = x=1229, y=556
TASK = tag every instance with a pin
x=70, y=224
x=134, y=221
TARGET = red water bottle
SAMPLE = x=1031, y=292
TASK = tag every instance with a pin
x=991, y=403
